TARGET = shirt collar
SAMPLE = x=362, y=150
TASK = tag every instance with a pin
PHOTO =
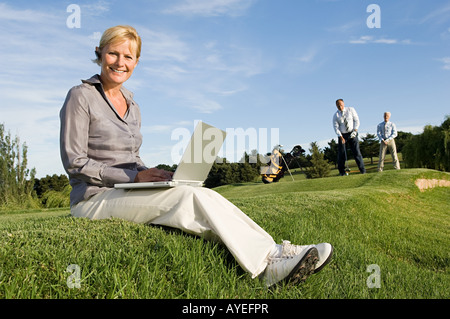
x=95, y=80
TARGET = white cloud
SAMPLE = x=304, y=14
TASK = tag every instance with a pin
x=204, y=105
x=362, y=40
x=210, y=8
x=237, y=60
x=366, y=39
x=161, y=46
x=198, y=75
x=230, y=92
x=7, y=13
x=346, y=27
x=156, y=128
x=386, y=41
x=445, y=34
x=95, y=9
x=439, y=16
x=183, y=58
x=308, y=56
x=306, y=61
x=167, y=71
x=446, y=62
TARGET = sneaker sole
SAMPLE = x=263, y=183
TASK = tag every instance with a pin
x=326, y=262
x=304, y=268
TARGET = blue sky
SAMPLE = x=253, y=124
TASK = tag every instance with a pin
x=256, y=65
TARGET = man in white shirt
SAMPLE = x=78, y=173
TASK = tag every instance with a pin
x=346, y=124
x=387, y=132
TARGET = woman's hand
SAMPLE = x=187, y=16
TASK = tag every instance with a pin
x=153, y=175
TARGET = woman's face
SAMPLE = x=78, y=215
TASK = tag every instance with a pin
x=118, y=63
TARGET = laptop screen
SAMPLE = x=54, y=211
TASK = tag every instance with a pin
x=200, y=153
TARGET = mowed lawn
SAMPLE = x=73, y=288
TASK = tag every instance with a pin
x=391, y=241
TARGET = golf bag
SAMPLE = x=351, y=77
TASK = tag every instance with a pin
x=279, y=163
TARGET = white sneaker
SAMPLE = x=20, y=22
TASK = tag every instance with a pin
x=289, y=267
x=325, y=251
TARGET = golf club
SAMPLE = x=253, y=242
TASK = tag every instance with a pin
x=287, y=166
x=347, y=169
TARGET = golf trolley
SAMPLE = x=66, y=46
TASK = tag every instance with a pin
x=279, y=164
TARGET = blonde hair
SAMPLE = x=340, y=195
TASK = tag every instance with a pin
x=119, y=34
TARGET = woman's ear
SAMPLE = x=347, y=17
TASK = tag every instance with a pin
x=98, y=53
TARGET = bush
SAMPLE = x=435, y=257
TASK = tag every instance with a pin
x=47, y=183
x=320, y=167
x=57, y=199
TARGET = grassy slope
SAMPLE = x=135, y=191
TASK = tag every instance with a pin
x=377, y=219
x=373, y=219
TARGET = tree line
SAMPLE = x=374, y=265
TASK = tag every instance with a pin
x=16, y=180
x=18, y=186
x=369, y=146
x=223, y=172
x=20, y=189
x=431, y=149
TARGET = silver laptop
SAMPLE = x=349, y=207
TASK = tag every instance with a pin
x=196, y=162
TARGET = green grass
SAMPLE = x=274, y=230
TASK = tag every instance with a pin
x=373, y=219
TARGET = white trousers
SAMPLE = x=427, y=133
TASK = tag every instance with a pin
x=195, y=210
x=393, y=150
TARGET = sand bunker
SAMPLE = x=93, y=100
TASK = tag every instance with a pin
x=424, y=184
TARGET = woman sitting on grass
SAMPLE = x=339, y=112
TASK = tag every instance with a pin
x=100, y=140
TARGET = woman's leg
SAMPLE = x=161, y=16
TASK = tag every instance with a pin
x=195, y=210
